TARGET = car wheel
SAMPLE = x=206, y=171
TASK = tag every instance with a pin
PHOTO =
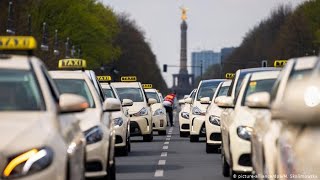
x=212, y=148
x=123, y=151
x=148, y=137
x=129, y=144
x=162, y=133
x=225, y=166
x=194, y=138
x=112, y=171
x=184, y=134
x=233, y=175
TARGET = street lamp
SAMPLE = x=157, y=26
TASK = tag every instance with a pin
x=10, y=29
x=67, y=48
x=29, y=25
x=44, y=44
x=56, y=51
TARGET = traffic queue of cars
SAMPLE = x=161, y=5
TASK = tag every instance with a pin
x=265, y=121
x=65, y=124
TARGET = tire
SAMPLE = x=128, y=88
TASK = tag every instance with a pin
x=233, y=175
x=225, y=166
x=148, y=137
x=212, y=148
x=111, y=171
x=129, y=144
x=194, y=138
x=123, y=151
x=184, y=134
x=162, y=133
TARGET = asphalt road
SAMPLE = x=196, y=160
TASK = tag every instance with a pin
x=169, y=157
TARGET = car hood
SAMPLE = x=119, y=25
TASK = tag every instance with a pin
x=136, y=107
x=89, y=118
x=156, y=106
x=25, y=130
x=244, y=116
x=214, y=109
x=202, y=107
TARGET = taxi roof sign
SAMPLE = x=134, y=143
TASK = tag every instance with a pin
x=229, y=75
x=147, y=86
x=279, y=63
x=104, y=78
x=72, y=63
x=25, y=43
x=128, y=78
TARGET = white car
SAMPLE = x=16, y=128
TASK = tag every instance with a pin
x=184, y=122
x=133, y=97
x=212, y=119
x=267, y=127
x=237, y=136
x=159, y=115
x=205, y=92
x=95, y=123
x=40, y=136
x=121, y=123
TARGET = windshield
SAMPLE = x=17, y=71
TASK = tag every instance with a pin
x=108, y=93
x=134, y=94
x=19, y=91
x=75, y=86
x=153, y=95
x=223, y=91
x=258, y=86
x=207, y=89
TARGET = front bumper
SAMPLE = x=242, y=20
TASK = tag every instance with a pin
x=159, y=122
x=184, y=124
x=121, y=135
x=198, y=125
x=140, y=125
x=241, y=155
x=97, y=158
x=213, y=133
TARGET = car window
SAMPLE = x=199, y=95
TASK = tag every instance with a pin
x=153, y=95
x=135, y=94
x=207, y=89
x=76, y=86
x=108, y=93
x=19, y=91
x=258, y=86
x=223, y=91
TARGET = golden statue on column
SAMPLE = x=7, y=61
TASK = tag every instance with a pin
x=184, y=13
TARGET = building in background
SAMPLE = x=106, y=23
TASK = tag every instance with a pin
x=206, y=58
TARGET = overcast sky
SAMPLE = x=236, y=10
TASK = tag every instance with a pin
x=213, y=24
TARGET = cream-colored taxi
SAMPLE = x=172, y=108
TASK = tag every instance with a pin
x=241, y=122
x=267, y=127
x=95, y=122
x=184, y=122
x=159, y=115
x=298, y=149
x=212, y=119
x=121, y=123
x=133, y=97
x=206, y=90
x=40, y=136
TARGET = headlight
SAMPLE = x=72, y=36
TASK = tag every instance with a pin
x=244, y=132
x=93, y=135
x=158, y=112
x=197, y=111
x=118, y=121
x=215, y=120
x=185, y=115
x=28, y=162
x=142, y=112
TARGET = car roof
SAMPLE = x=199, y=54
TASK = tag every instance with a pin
x=226, y=83
x=302, y=63
x=16, y=61
x=150, y=90
x=126, y=84
x=264, y=75
x=66, y=74
x=251, y=70
x=105, y=85
x=212, y=80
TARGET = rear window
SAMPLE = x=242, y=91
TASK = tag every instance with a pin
x=207, y=89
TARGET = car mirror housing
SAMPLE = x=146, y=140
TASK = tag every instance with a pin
x=224, y=102
x=69, y=103
x=181, y=101
x=205, y=100
x=152, y=101
x=127, y=102
x=112, y=104
x=258, y=100
x=188, y=100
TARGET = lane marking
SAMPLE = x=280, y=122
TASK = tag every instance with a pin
x=164, y=154
x=165, y=147
x=162, y=162
x=169, y=136
x=167, y=139
x=158, y=173
x=166, y=142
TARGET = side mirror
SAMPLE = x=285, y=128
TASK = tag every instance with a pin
x=185, y=96
x=181, y=101
x=69, y=103
x=188, y=100
x=152, y=101
x=224, y=101
x=127, y=102
x=112, y=104
x=258, y=100
x=205, y=100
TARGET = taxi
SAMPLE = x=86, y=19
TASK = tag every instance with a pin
x=95, y=121
x=159, y=115
x=41, y=137
x=184, y=122
x=212, y=119
x=297, y=148
x=199, y=105
x=266, y=129
x=236, y=138
x=120, y=119
x=133, y=97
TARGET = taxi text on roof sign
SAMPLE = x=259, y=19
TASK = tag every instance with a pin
x=104, y=78
x=147, y=86
x=229, y=75
x=17, y=43
x=72, y=63
x=279, y=63
x=128, y=78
